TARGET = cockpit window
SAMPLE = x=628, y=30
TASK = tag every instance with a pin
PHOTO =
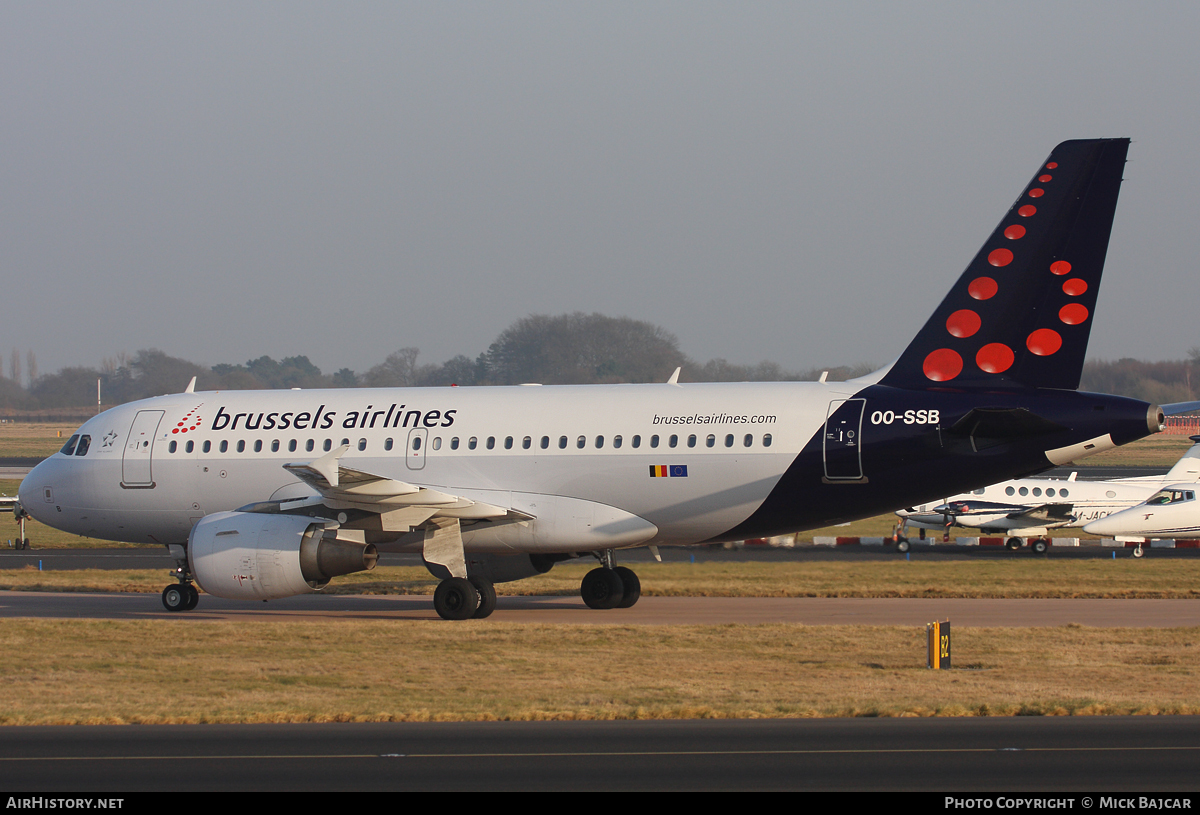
x=68, y=449
x=1171, y=497
x=84, y=443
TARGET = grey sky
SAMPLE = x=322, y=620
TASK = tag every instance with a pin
x=784, y=181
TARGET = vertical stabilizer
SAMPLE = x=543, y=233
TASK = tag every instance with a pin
x=1021, y=313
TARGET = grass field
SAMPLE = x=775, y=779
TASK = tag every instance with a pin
x=1024, y=577
x=180, y=671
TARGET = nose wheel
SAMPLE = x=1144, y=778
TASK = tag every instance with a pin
x=180, y=597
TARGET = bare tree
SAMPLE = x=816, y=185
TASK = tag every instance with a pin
x=14, y=366
x=31, y=366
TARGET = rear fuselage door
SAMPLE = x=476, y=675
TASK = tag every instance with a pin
x=843, y=441
x=135, y=465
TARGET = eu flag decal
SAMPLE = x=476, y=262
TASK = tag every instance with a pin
x=668, y=471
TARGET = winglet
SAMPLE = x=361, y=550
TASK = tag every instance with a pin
x=191, y=388
x=674, y=380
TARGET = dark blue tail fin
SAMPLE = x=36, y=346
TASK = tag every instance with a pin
x=1021, y=313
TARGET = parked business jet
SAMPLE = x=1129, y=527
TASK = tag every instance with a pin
x=1172, y=512
x=1030, y=507
x=271, y=494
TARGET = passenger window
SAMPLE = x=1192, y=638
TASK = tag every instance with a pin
x=654, y=441
x=1023, y=491
x=711, y=440
x=491, y=442
x=692, y=440
x=291, y=445
x=437, y=442
x=171, y=447
x=1050, y=492
x=68, y=449
x=1037, y=491
x=85, y=442
x=471, y=442
x=362, y=444
x=310, y=445
x=207, y=446
x=1062, y=493
x=749, y=440
x=224, y=446
x=545, y=442
x=526, y=443
x=599, y=442
x=1010, y=490
x=241, y=447
x=580, y=442
x=729, y=440
x=766, y=440
x=416, y=445
x=274, y=446
x=258, y=445
x=616, y=441
x=345, y=442
x=508, y=442
x=637, y=442
x=387, y=444
x=562, y=442
x=189, y=447
x=453, y=443
x=328, y=445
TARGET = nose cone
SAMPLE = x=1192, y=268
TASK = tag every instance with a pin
x=36, y=493
x=1126, y=522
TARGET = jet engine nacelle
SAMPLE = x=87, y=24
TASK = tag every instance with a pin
x=256, y=556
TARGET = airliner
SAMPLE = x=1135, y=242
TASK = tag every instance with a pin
x=271, y=494
x=1030, y=507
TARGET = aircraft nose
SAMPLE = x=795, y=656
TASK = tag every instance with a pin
x=36, y=493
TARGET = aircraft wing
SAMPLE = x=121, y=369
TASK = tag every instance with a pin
x=1046, y=514
x=399, y=505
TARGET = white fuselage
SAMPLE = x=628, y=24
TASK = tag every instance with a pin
x=691, y=460
x=1172, y=512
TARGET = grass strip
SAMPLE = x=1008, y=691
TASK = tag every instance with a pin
x=1018, y=577
x=192, y=671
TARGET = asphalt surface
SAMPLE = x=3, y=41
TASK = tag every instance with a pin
x=1030, y=754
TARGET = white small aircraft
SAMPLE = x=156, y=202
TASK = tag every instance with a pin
x=1030, y=507
x=270, y=494
x=1172, y=512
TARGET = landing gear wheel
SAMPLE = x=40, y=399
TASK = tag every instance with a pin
x=455, y=599
x=902, y=546
x=487, y=597
x=631, y=585
x=193, y=597
x=1013, y=543
x=175, y=597
x=1138, y=551
x=1040, y=546
x=602, y=588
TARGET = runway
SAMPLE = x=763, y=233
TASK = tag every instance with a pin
x=1060, y=755
x=648, y=611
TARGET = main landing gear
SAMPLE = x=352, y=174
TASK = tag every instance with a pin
x=609, y=586
x=464, y=598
